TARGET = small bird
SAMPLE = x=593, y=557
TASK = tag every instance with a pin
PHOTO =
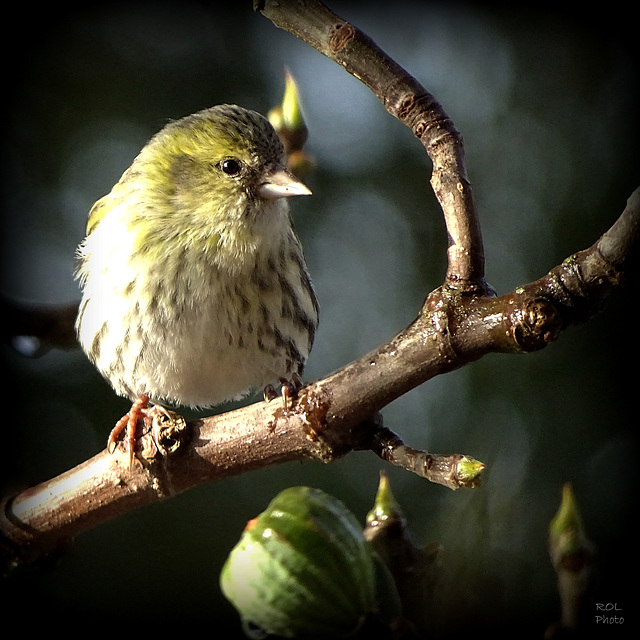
x=195, y=288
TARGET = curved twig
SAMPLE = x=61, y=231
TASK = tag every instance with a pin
x=406, y=99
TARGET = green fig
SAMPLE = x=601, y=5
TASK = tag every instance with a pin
x=302, y=568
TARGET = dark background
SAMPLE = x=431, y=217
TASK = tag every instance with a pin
x=547, y=102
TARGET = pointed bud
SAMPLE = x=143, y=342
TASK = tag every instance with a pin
x=291, y=107
x=469, y=471
x=414, y=570
x=288, y=121
x=385, y=506
x=567, y=537
x=572, y=556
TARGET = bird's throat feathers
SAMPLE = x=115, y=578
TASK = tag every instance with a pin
x=230, y=238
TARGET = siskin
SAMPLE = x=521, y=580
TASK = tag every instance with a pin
x=195, y=288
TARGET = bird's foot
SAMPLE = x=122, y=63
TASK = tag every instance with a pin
x=140, y=412
x=288, y=390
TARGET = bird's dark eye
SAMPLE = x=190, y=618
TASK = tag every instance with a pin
x=231, y=166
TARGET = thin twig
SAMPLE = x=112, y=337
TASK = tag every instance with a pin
x=453, y=471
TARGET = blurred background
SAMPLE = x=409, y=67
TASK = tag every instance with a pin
x=547, y=103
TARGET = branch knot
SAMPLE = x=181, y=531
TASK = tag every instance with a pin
x=341, y=34
x=535, y=325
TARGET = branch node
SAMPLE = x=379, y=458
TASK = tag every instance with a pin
x=315, y=405
x=421, y=113
x=310, y=409
x=535, y=325
x=170, y=432
x=341, y=34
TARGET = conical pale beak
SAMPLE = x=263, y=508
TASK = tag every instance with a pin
x=282, y=184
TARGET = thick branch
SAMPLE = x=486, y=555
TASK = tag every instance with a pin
x=619, y=245
x=331, y=417
x=406, y=99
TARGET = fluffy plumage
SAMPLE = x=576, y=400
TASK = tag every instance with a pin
x=195, y=288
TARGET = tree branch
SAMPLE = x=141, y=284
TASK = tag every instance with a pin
x=330, y=417
x=333, y=416
x=406, y=99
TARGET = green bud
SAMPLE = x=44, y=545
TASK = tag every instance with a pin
x=572, y=557
x=287, y=118
x=302, y=568
x=385, y=506
x=414, y=571
x=291, y=111
x=567, y=538
x=469, y=471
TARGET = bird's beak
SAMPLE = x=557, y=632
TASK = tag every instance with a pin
x=282, y=184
